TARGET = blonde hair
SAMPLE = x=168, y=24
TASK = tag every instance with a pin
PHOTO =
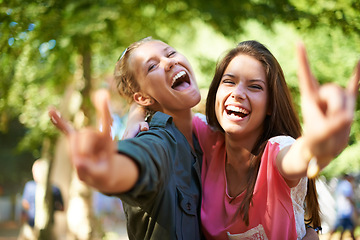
x=125, y=80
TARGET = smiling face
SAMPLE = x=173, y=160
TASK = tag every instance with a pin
x=165, y=77
x=276, y=109
x=241, y=97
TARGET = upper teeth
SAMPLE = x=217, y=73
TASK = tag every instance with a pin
x=237, y=109
x=177, y=76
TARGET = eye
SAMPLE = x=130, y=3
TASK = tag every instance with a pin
x=256, y=86
x=151, y=67
x=171, y=53
x=227, y=81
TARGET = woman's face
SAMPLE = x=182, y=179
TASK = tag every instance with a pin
x=241, y=98
x=165, y=75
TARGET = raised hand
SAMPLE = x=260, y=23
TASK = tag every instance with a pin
x=93, y=152
x=328, y=112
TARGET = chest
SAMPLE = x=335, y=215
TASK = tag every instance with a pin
x=236, y=181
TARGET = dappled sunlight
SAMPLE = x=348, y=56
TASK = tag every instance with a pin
x=55, y=53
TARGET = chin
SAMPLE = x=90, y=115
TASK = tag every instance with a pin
x=195, y=97
x=193, y=103
x=230, y=129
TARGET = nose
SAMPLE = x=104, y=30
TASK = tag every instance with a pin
x=169, y=63
x=238, y=92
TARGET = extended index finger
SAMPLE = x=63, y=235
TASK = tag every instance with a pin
x=308, y=84
x=101, y=100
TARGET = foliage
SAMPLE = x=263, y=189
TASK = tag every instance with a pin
x=304, y=14
x=343, y=14
x=53, y=47
x=332, y=58
x=15, y=167
x=346, y=162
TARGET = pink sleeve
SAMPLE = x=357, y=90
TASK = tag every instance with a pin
x=279, y=203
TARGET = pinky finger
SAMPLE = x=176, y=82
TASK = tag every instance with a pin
x=354, y=83
x=353, y=90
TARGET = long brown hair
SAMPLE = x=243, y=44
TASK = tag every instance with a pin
x=283, y=119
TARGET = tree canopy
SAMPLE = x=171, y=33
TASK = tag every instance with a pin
x=51, y=50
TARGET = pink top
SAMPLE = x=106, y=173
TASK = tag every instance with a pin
x=270, y=217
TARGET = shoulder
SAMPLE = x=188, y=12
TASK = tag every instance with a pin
x=160, y=119
x=199, y=119
x=161, y=129
x=30, y=185
x=209, y=139
x=201, y=129
x=200, y=125
x=275, y=146
x=282, y=141
x=161, y=137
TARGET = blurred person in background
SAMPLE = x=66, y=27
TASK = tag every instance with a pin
x=28, y=200
x=345, y=206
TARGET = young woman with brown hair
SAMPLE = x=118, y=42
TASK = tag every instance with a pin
x=255, y=159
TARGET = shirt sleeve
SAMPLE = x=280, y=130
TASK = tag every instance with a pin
x=153, y=152
x=282, y=140
x=298, y=192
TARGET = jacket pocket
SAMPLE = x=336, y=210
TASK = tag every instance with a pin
x=187, y=222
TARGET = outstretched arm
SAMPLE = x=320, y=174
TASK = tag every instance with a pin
x=328, y=113
x=94, y=153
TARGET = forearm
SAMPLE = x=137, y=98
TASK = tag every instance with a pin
x=293, y=162
x=123, y=175
x=116, y=175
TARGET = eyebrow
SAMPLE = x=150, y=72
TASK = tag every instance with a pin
x=228, y=75
x=164, y=50
x=257, y=80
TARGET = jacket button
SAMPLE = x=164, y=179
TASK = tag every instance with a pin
x=188, y=206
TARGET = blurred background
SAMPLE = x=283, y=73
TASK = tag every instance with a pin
x=56, y=53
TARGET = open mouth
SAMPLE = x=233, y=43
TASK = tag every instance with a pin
x=235, y=111
x=180, y=81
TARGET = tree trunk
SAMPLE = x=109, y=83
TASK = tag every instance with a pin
x=80, y=215
x=44, y=213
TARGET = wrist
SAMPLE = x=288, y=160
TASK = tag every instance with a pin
x=314, y=156
x=310, y=158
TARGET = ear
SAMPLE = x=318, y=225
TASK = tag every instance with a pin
x=142, y=99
